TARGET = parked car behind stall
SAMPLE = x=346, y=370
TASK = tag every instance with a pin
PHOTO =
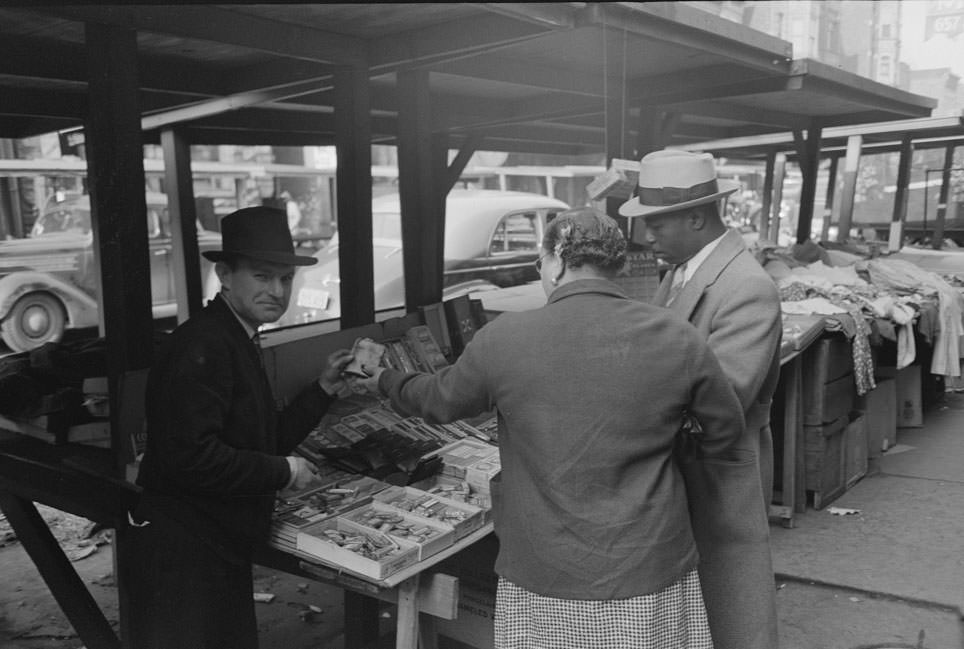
x=492, y=239
x=48, y=281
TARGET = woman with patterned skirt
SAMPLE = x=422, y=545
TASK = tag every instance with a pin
x=595, y=544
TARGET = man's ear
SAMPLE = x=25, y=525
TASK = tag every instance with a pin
x=696, y=219
x=223, y=271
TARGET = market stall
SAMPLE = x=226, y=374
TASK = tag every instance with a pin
x=890, y=337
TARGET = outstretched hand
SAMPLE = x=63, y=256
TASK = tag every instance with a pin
x=370, y=383
x=331, y=379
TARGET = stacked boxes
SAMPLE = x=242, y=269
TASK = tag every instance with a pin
x=829, y=393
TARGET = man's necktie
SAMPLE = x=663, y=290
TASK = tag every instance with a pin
x=256, y=341
x=679, y=273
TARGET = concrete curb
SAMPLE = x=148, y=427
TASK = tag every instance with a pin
x=950, y=608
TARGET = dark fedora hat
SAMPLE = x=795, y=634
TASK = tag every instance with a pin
x=259, y=233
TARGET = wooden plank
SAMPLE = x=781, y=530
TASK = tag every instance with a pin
x=904, y=163
x=851, y=164
x=406, y=619
x=809, y=166
x=63, y=581
x=115, y=177
x=767, y=199
x=938, y=239
x=354, y=196
x=179, y=185
x=828, y=198
x=779, y=173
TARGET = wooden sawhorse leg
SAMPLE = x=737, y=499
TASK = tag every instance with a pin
x=68, y=589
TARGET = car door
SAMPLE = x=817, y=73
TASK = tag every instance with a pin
x=514, y=246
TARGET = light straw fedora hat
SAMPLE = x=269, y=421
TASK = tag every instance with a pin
x=671, y=180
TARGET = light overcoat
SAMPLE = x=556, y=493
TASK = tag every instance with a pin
x=735, y=305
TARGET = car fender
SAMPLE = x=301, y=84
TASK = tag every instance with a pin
x=82, y=309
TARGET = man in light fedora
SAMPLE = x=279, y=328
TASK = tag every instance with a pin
x=723, y=291
x=218, y=450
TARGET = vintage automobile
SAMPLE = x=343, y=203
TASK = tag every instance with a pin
x=48, y=280
x=492, y=239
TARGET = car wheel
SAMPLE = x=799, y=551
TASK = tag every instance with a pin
x=35, y=319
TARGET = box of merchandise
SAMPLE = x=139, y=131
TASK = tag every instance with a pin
x=318, y=503
x=457, y=490
x=458, y=456
x=429, y=536
x=341, y=543
x=479, y=473
x=461, y=516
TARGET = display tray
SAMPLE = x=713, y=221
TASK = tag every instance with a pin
x=340, y=543
x=458, y=490
x=462, y=517
x=319, y=503
x=428, y=536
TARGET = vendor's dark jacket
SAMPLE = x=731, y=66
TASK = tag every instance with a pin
x=590, y=391
x=215, y=441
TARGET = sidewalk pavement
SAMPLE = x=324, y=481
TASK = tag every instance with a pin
x=891, y=574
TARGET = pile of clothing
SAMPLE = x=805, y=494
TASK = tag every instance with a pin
x=872, y=297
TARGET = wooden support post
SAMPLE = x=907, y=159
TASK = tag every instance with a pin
x=938, y=239
x=809, y=159
x=763, y=226
x=851, y=165
x=65, y=584
x=406, y=634
x=896, y=237
x=828, y=207
x=185, y=261
x=352, y=99
x=115, y=163
x=779, y=174
x=455, y=169
x=422, y=225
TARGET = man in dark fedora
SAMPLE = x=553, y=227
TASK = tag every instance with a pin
x=218, y=450
x=718, y=286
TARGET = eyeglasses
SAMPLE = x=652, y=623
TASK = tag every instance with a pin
x=538, y=262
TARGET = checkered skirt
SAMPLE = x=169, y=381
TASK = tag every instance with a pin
x=672, y=618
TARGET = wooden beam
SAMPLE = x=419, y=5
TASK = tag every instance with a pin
x=179, y=186
x=221, y=25
x=828, y=201
x=422, y=226
x=937, y=241
x=67, y=63
x=354, y=196
x=849, y=189
x=741, y=113
x=63, y=581
x=531, y=74
x=767, y=199
x=449, y=41
x=688, y=27
x=457, y=166
x=115, y=178
x=896, y=236
x=779, y=175
x=809, y=166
